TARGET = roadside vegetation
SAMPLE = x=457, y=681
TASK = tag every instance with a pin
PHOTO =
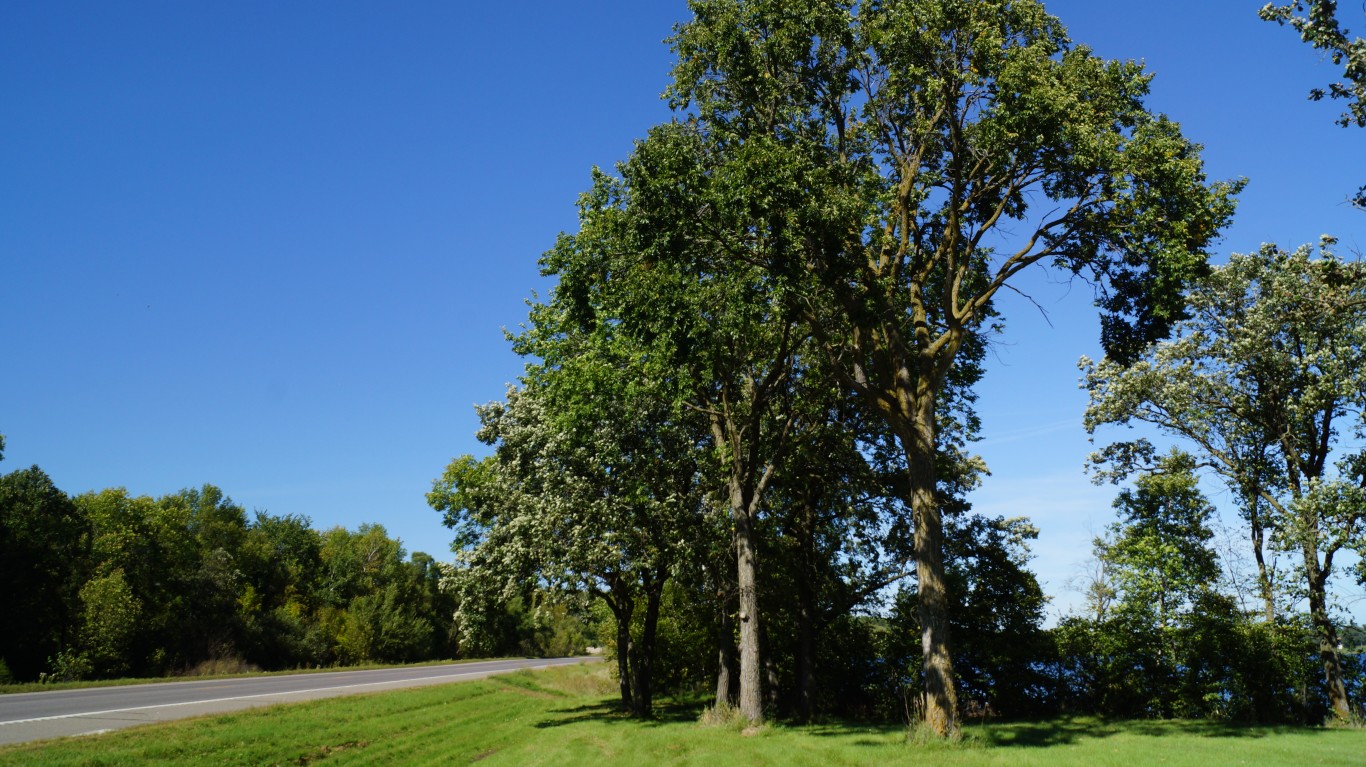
x=569, y=716
x=745, y=425
x=108, y=585
x=739, y=456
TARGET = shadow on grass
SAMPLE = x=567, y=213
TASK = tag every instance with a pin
x=1064, y=731
x=1002, y=735
x=610, y=711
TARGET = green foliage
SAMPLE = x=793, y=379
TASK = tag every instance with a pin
x=111, y=584
x=1213, y=662
x=1158, y=552
x=110, y=620
x=1319, y=25
x=1263, y=380
x=43, y=541
x=379, y=626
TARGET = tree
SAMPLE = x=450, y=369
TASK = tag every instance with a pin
x=1263, y=379
x=44, y=545
x=1160, y=563
x=1319, y=25
x=281, y=564
x=1159, y=549
x=999, y=615
x=109, y=623
x=906, y=161
x=211, y=625
x=710, y=328
x=593, y=488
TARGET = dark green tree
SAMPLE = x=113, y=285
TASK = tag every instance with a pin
x=708, y=325
x=44, y=546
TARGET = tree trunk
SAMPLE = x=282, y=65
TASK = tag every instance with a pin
x=643, y=652
x=1328, y=637
x=622, y=605
x=751, y=667
x=941, y=699
x=806, y=615
x=725, y=661
x=806, y=652
x=1264, y=575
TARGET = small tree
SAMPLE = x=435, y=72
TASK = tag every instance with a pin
x=1160, y=547
x=593, y=488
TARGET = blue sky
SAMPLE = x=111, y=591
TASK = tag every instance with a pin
x=272, y=246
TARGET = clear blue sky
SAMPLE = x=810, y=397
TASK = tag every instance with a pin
x=272, y=246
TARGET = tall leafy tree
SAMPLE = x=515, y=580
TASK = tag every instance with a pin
x=281, y=562
x=707, y=322
x=1264, y=380
x=911, y=159
x=211, y=624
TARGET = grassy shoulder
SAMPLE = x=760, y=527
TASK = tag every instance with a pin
x=9, y=689
x=566, y=716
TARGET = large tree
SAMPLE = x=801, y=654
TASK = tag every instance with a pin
x=1264, y=380
x=907, y=161
x=706, y=322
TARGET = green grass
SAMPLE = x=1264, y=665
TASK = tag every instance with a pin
x=566, y=716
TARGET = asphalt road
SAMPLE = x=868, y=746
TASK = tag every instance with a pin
x=36, y=715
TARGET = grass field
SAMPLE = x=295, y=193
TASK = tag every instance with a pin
x=565, y=716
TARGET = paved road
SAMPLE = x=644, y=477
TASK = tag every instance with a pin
x=36, y=715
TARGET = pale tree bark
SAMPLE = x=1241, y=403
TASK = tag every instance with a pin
x=941, y=697
x=1265, y=576
x=754, y=450
x=751, y=681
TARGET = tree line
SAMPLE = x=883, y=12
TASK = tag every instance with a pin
x=107, y=584
x=745, y=420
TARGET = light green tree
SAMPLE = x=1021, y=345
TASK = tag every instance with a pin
x=109, y=623
x=594, y=487
x=1264, y=380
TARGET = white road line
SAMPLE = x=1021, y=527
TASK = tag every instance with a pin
x=238, y=697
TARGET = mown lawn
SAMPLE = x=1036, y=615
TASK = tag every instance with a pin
x=565, y=716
